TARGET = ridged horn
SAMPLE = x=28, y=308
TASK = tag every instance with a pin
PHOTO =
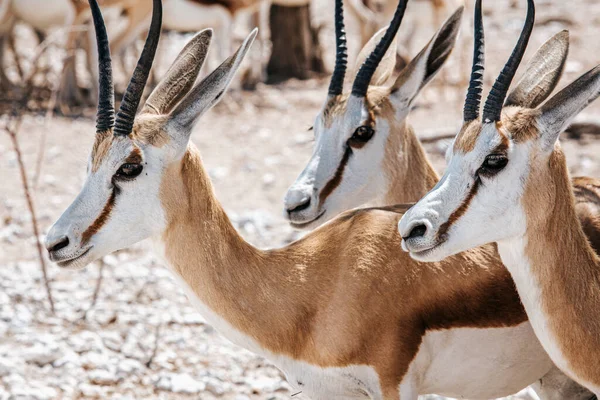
x=135, y=89
x=366, y=71
x=473, y=100
x=336, y=85
x=493, y=106
x=105, y=117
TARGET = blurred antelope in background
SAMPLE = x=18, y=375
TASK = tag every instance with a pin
x=180, y=16
x=507, y=182
x=341, y=311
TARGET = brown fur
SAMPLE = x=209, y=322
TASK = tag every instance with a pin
x=521, y=123
x=411, y=174
x=564, y=265
x=102, y=144
x=336, y=313
x=148, y=129
x=232, y=6
x=467, y=137
x=587, y=206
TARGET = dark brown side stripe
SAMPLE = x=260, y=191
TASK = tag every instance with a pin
x=101, y=220
x=460, y=211
x=337, y=178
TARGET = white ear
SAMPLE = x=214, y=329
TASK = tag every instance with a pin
x=209, y=91
x=542, y=73
x=428, y=62
x=385, y=69
x=558, y=112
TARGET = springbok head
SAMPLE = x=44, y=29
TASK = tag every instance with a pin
x=496, y=159
x=119, y=203
x=352, y=130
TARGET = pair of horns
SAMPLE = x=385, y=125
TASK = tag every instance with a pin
x=493, y=106
x=367, y=69
x=105, y=118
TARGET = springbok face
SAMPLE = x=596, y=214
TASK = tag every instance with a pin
x=492, y=163
x=354, y=132
x=120, y=203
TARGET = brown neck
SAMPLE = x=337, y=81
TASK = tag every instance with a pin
x=313, y=299
x=229, y=276
x=564, y=268
x=409, y=173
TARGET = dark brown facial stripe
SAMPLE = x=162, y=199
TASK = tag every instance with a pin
x=337, y=178
x=459, y=212
x=100, y=221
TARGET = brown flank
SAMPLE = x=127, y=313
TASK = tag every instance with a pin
x=333, y=309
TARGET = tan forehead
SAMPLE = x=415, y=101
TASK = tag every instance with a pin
x=467, y=137
x=517, y=124
x=149, y=131
x=377, y=102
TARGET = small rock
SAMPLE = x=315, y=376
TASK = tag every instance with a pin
x=102, y=377
x=42, y=354
x=180, y=383
x=128, y=366
x=6, y=366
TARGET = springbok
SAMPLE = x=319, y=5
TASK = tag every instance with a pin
x=507, y=182
x=327, y=309
x=392, y=167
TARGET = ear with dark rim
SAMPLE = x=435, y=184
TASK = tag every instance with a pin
x=542, y=73
x=428, y=62
x=181, y=76
x=209, y=91
x=560, y=110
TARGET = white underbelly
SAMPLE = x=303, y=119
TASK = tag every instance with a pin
x=480, y=363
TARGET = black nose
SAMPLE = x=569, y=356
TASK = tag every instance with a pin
x=60, y=243
x=299, y=207
x=417, y=231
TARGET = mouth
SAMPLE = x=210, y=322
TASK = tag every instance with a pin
x=66, y=263
x=304, y=225
x=421, y=251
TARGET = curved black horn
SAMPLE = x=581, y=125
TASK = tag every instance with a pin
x=341, y=54
x=133, y=94
x=105, y=117
x=493, y=106
x=363, y=78
x=473, y=101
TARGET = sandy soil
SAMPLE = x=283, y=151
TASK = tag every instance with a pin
x=253, y=146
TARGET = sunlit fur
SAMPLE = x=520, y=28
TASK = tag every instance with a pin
x=341, y=312
x=528, y=208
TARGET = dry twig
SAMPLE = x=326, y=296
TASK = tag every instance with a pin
x=96, y=290
x=12, y=129
x=155, y=349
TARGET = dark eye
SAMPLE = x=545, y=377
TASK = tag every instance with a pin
x=493, y=164
x=128, y=171
x=362, y=135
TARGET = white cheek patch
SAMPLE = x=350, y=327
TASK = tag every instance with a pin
x=493, y=214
